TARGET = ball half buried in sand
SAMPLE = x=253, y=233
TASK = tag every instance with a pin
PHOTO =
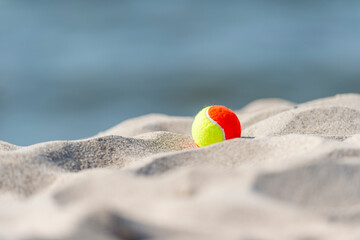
x=215, y=124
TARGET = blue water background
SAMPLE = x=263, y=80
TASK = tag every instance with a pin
x=69, y=69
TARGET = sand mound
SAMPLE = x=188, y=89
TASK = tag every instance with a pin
x=151, y=123
x=327, y=121
x=236, y=153
x=27, y=169
x=293, y=175
x=4, y=146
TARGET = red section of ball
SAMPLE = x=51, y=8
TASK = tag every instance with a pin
x=227, y=119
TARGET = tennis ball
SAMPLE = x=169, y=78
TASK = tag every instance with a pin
x=215, y=124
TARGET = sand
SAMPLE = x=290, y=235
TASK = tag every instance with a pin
x=294, y=174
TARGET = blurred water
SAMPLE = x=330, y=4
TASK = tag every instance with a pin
x=69, y=69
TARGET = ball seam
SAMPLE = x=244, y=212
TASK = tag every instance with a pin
x=214, y=122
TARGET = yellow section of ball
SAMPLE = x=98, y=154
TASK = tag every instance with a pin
x=204, y=132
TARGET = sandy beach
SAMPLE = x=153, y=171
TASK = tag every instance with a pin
x=293, y=175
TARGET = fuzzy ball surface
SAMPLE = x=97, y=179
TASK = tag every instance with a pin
x=215, y=124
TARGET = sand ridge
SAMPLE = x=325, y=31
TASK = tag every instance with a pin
x=293, y=175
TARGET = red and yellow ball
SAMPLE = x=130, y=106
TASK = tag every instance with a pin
x=215, y=124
